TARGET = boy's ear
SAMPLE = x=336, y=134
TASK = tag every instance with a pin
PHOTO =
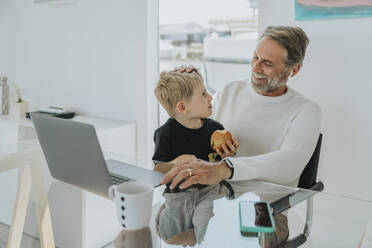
x=180, y=107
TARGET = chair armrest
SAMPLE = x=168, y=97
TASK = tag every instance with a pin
x=294, y=198
x=295, y=242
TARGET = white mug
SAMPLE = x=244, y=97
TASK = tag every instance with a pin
x=133, y=203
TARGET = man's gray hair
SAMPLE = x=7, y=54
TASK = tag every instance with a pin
x=293, y=39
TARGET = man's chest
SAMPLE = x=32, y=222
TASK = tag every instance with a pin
x=258, y=130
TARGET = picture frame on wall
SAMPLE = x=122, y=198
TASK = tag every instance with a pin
x=332, y=9
x=54, y=1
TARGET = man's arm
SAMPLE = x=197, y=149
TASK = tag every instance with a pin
x=286, y=164
x=282, y=166
x=197, y=171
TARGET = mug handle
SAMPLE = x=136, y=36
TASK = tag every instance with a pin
x=111, y=192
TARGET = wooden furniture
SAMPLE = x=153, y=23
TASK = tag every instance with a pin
x=28, y=159
x=85, y=224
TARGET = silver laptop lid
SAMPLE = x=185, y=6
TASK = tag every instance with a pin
x=73, y=153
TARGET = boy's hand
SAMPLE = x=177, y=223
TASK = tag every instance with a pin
x=229, y=149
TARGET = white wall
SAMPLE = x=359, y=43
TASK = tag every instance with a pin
x=152, y=72
x=88, y=56
x=7, y=34
x=336, y=74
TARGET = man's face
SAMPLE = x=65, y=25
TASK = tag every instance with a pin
x=269, y=70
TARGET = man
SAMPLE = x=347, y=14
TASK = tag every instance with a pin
x=277, y=128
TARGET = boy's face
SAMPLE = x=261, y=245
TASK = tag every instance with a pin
x=200, y=103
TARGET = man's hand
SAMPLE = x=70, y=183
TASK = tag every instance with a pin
x=229, y=149
x=186, y=68
x=197, y=171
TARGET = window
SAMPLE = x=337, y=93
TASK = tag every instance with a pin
x=217, y=36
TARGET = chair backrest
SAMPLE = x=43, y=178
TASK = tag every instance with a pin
x=309, y=174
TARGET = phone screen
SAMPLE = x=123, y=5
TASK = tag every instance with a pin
x=254, y=214
x=262, y=215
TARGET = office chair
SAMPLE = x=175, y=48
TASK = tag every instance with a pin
x=307, y=181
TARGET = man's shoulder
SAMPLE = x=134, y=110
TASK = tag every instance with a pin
x=303, y=99
x=236, y=85
x=233, y=88
x=305, y=104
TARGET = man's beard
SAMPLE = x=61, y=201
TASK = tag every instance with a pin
x=271, y=83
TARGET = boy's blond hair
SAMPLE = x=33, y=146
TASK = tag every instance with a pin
x=173, y=87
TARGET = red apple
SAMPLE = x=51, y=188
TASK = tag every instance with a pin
x=220, y=137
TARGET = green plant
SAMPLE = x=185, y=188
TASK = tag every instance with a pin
x=18, y=93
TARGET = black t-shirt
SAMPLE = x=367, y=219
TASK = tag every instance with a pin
x=172, y=140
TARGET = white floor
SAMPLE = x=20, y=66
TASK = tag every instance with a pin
x=27, y=241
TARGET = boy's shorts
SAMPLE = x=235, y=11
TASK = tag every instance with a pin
x=190, y=209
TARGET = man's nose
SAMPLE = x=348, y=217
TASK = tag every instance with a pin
x=256, y=67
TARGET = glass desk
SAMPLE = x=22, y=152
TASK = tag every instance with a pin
x=337, y=221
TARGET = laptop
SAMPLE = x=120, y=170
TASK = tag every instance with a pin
x=74, y=156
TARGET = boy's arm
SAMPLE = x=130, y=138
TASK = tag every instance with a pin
x=162, y=147
x=166, y=166
x=162, y=155
x=163, y=167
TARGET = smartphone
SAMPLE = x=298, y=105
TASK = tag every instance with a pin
x=255, y=217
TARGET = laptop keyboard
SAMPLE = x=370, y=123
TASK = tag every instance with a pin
x=118, y=180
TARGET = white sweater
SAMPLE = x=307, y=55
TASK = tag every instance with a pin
x=277, y=135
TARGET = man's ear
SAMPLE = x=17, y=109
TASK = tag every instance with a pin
x=295, y=70
x=180, y=107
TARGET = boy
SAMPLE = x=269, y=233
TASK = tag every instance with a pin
x=187, y=131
